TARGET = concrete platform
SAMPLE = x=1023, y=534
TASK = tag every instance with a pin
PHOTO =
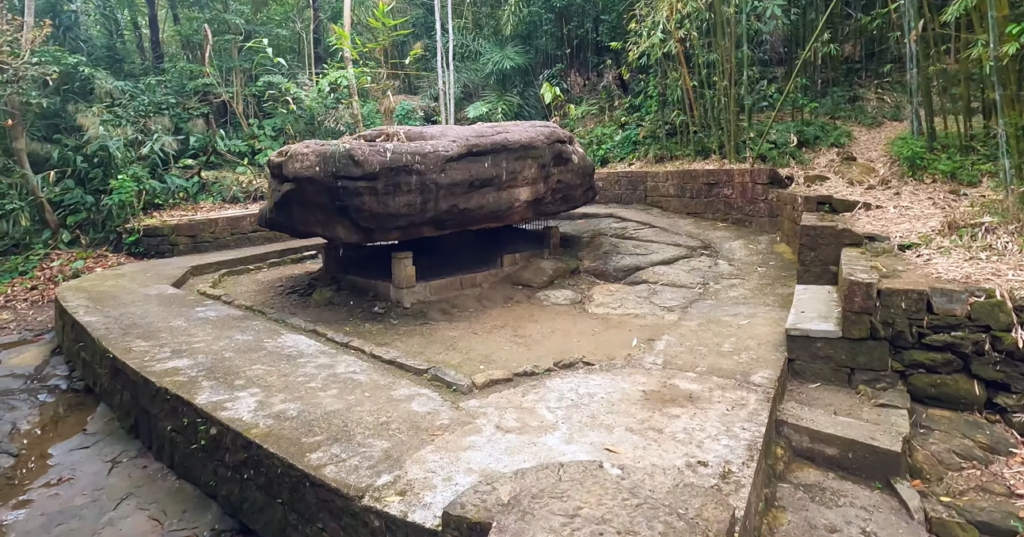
x=297, y=436
x=815, y=312
x=834, y=428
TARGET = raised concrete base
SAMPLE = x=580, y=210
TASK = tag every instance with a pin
x=298, y=436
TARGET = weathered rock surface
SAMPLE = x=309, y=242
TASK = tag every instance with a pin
x=614, y=260
x=645, y=299
x=990, y=437
x=991, y=516
x=540, y=273
x=689, y=273
x=426, y=181
x=491, y=378
x=559, y=297
x=604, y=499
x=933, y=362
x=856, y=173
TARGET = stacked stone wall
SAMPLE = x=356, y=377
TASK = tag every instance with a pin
x=738, y=196
x=205, y=234
x=952, y=346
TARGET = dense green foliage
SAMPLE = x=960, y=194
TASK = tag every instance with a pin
x=964, y=164
x=127, y=106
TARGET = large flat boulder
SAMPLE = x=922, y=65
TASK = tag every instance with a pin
x=411, y=182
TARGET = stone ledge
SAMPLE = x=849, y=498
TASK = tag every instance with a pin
x=815, y=312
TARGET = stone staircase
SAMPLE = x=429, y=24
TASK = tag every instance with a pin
x=845, y=417
x=843, y=410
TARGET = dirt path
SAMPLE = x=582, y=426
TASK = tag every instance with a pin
x=943, y=230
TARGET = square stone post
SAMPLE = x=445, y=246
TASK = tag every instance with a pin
x=552, y=240
x=331, y=258
x=403, y=272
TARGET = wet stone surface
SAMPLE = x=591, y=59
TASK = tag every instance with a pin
x=68, y=470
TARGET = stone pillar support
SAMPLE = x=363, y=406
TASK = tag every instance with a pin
x=331, y=258
x=403, y=272
x=552, y=240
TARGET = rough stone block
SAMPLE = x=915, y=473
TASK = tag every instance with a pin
x=451, y=379
x=948, y=300
x=930, y=361
x=533, y=170
x=403, y=273
x=957, y=392
x=443, y=287
x=994, y=313
x=858, y=282
x=815, y=372
x=867, y=354
x=194, y=227
x=491, y=378
x=876, y=380
x=856, y=325
x=157, y=230
x=900, y=298
x=817, y=274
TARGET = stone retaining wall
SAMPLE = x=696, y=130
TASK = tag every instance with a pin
x=751, y=197
x=206, y=234
x=952, y=346
x=739, y=196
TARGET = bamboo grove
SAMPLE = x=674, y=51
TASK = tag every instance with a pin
x=114, y=107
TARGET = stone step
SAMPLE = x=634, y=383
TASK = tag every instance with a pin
x=838, y=430
x=815, y=312
x=806, y=506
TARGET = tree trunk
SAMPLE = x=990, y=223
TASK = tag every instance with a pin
x=347, y=52
x=16, y=127
x=238, y=83
x=140, y=42
x=155, y=47
x=28, y=24
x=440, y=67
x=318, y=36
x=451, y=67
x=175, y=14
x=19, y=144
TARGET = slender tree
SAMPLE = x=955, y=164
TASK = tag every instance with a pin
x=16, y=127
x=28, y=24
x=442, y=100
x=451, y=67
x=155, y=46
x=347, y=53
x=317, y=40
x=175, y=14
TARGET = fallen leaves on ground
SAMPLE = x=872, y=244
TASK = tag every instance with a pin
x=947, y=231
x=23, y=295
x=197, y=209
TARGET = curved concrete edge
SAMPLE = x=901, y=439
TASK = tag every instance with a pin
x=246, y=475
x=334, y=467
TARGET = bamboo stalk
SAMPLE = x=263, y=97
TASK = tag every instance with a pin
x=792, y=78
